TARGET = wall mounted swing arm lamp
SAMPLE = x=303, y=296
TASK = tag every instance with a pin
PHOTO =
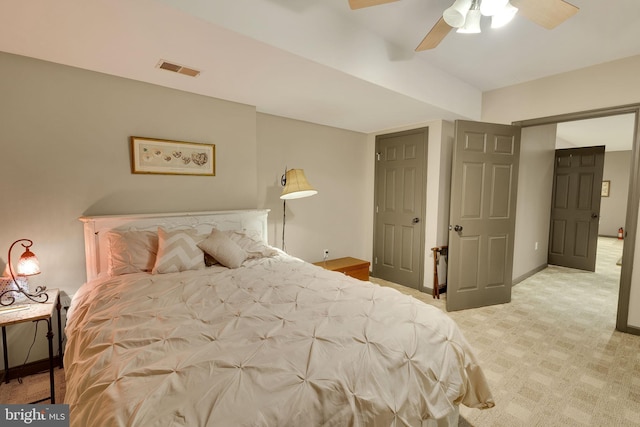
x=28, y=265
x=295, y=186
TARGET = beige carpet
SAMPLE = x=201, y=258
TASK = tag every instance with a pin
x=552, y=355
x=33, y=387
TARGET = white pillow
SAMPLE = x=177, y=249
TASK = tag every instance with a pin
x=178, y=251
x=223, y=249
x=251, y=243
x=131, y=251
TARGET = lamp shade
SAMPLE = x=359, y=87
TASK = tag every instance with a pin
x=28, y=264
x=17, y=289
x=296, y=185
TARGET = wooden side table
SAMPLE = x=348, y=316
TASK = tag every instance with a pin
x=35, y=312
x=353, y=267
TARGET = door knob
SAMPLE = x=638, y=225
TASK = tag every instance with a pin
x=457, y=228
x=594, y=215
x=415, y=220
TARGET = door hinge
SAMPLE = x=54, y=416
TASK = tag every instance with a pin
x=375, y=260
x=378, y=156
x=376, y=208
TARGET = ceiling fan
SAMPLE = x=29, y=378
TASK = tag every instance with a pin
x=465, y=15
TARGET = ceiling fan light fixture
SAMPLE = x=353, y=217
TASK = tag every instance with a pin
x=505, y=16
x=472, y=23
x=492, y=7
x=456, y=14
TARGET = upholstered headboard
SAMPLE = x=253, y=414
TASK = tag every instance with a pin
x=96, y=227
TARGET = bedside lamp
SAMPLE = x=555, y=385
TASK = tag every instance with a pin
x=295, y=186
x=28, y=265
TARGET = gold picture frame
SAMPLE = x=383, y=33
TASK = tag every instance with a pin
x=167, y=157
x=605, y=188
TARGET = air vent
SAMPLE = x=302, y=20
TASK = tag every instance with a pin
x=178, y=68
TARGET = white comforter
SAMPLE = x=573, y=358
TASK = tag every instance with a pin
x=277, y=342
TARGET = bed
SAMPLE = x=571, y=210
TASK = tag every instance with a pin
x=268, y=341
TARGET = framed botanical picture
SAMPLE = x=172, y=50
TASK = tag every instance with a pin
x=161, y=156
x=605, y=188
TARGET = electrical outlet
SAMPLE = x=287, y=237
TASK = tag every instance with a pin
x=325, y=254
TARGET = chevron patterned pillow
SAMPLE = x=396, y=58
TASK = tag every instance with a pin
x=178, y=251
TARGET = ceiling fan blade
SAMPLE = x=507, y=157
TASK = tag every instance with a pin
x=435, y=35
x=358, y=4
x=546, y=13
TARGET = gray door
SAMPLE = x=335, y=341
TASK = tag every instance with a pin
x=575, y=207
x=400, y=187
x=483, y=207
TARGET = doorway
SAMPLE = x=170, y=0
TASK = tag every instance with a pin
x=632, y=195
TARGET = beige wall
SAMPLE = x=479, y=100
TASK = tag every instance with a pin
x=535, y=182
x=613, y=209
x=605, y=85
x=336, y=163
x=634, y=297
x=64, y=137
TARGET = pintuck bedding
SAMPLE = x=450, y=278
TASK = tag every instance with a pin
x=273, y=342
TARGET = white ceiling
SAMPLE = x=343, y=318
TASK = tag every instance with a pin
x=316, y=60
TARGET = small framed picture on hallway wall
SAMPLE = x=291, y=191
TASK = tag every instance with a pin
x=605, y=188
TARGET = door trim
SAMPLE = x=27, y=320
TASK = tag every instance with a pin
x=631, y=222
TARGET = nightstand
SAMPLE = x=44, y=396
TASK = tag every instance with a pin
x=34, y=312
x=353, y=267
